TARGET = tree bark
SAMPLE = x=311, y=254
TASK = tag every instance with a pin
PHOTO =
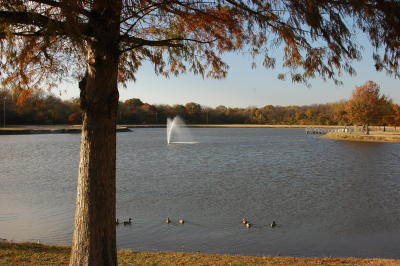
x=94, y=238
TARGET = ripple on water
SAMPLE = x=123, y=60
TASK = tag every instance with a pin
x=330, y=198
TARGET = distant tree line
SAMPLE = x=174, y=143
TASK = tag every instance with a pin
x=38, y=109
x=41, y=108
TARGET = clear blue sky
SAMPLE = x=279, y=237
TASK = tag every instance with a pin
x=245, y=87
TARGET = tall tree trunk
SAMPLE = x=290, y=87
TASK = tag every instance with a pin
x=94, y=238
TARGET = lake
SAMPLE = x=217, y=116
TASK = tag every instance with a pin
x=329, y=198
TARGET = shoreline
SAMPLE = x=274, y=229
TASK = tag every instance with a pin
x=258, y=126
x=71, y=129
x=391, y=136
x=38, y=254
x=386, y=137
x=56, y=129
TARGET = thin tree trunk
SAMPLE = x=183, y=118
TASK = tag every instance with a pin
x=94, y=238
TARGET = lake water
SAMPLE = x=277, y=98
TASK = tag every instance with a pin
x=329, y=198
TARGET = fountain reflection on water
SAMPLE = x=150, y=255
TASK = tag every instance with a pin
x=259, y=173
x=177, y=132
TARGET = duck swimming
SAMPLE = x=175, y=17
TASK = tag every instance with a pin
x=181, y=221
x=117, y=222
x=167, y=221
x=128, y=222
x=273, y=224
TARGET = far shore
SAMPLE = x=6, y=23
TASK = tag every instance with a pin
x=38, y=254
x=58, y=129
x=47, y=129
x=375, y=136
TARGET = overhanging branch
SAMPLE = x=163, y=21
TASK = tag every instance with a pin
x=75, y=8
x=28, y=18
x=45, y=23
x=134, y=42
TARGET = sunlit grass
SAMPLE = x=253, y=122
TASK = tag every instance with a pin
x=38, y=254
x=358, y=136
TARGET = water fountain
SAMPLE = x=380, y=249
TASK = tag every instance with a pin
x=177, y=132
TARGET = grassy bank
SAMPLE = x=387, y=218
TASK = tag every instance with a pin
x=377, y=136
x=37, y=254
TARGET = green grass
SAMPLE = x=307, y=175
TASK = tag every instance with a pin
x=38, y=254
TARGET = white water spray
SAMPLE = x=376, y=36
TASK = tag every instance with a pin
x=177, y=132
